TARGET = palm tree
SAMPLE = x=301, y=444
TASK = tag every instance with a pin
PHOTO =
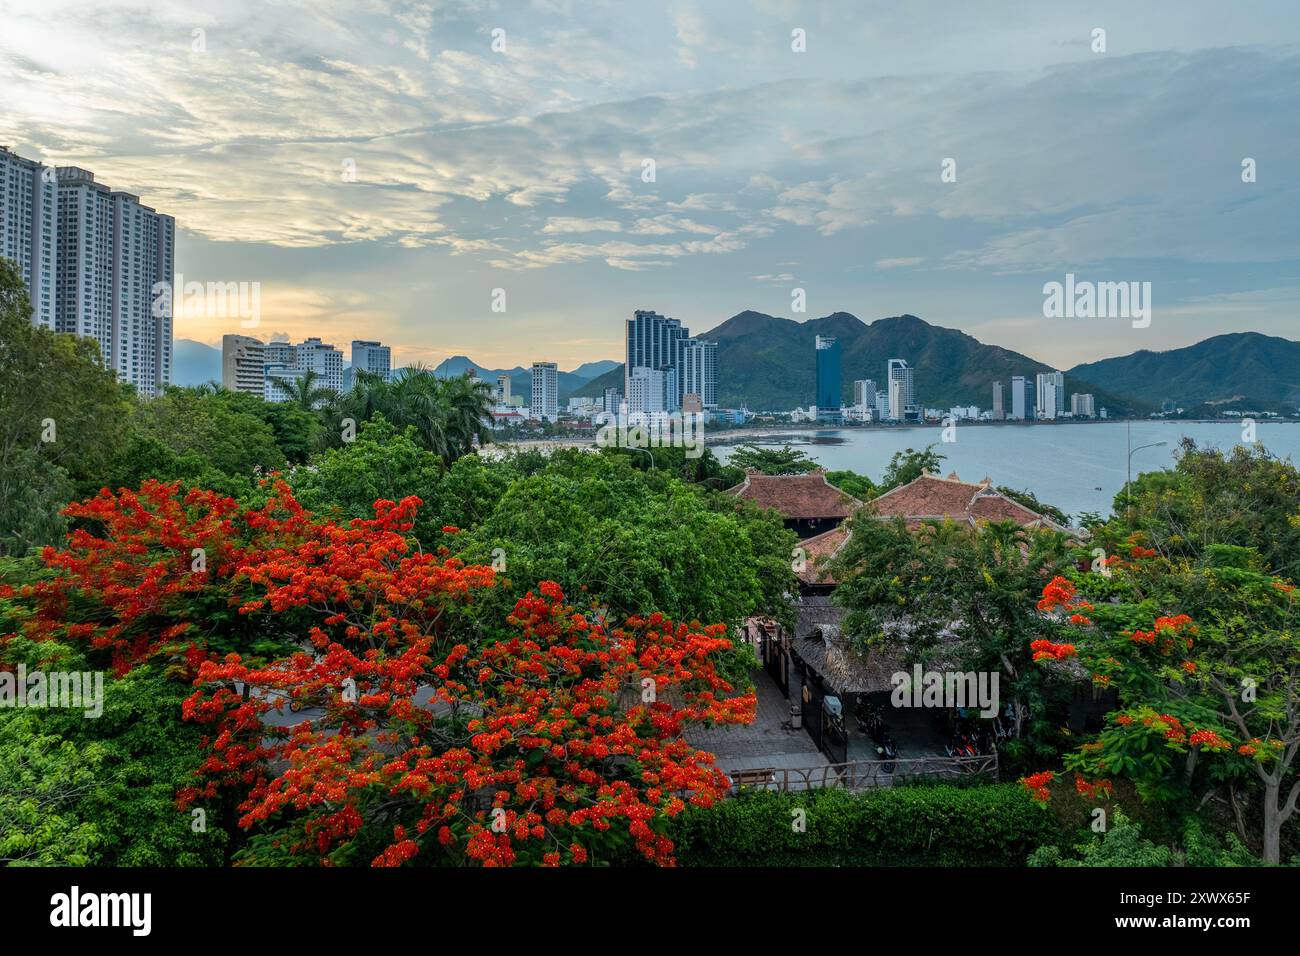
x=469, y=406
x=304, y=392
x=448, y=415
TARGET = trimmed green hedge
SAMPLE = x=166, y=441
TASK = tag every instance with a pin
x=995, y=825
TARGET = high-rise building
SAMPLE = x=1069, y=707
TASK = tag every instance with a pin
x=243, y=364
x=1083, y=405
x=999, y=412
x=864, y=392
x=882, y=405
x=313, y=355
x=115, y=269
x=372, y=357
x=902, y=391
x=277, y=378
x=1018, y=393
x=503, y=389
x=1050, y=394
x=655, y=341
x=699, y=375
x=546, y=392
x=280, y=353
x=647, y=390
x=830, y=383
x=613, y=399
x=29, y=222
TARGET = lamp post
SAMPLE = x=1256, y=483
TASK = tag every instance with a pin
x=1128, y=477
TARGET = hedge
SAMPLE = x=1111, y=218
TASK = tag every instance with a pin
x=995, y=825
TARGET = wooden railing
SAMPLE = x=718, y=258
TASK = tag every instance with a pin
x=861, y=774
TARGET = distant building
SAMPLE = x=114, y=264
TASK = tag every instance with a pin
x=903, y=405
x=656, y=342
x=503, y=389
x=372, y=357
x=313, y=355
x=1083, y=405
x=830, y=383
x=280, y=353
x=277, y=379
x=243, y=364
x=546, y=378
x=29, y=221
x=1050, y=394
x=613, y=398
x=999, y=412
x=699, y=370
x=1019, y=394
x=647, y=390
x=692, y=404
x=864, y=392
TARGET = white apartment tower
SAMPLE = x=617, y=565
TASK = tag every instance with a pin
x=372, y=357
x=115, y=268
x=902, y=391
x=313, y=355
x=1050, y=394
x=243, y=364
x=647, y=391
x=546, y=391
x=29, y=224
x=700, y=371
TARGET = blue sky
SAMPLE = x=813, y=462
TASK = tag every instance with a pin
x=522, y=168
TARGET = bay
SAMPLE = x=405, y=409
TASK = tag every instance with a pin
x=1077, y=466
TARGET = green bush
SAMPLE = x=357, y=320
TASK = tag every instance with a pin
x=996, y=825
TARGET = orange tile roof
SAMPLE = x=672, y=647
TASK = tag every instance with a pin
x=930, y=496
x=818, y=550
x=796, y=496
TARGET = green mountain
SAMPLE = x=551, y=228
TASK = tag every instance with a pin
x=1240, y=368
x=768, y=362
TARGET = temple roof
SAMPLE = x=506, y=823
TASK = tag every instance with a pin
x=796, y=496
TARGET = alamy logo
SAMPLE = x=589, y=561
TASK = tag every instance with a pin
x=73, y=909
x=946, y=689
x=1098, y=300
x=82, y=690
x=651, y=430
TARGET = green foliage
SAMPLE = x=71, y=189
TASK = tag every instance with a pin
x=909, y=465
x=1123, y=845
x=44, y=781
x=61, y=417
x=850, y=482
x=1245, y=497
x=1030, y=501
x=705, y=469
x=996, y=825
x=772, y=461
x=634, y=540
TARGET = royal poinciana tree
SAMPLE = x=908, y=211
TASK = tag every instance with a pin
x=1204, y=656
x=552, y=739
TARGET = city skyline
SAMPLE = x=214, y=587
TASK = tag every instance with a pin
x=374, y=191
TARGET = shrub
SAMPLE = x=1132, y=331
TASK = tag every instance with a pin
x=996, y=825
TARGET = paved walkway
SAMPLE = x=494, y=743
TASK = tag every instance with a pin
x=767, y=742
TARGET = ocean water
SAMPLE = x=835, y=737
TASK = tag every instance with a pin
x=1077, y=467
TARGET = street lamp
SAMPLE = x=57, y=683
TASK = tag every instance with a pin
x=1128, y=478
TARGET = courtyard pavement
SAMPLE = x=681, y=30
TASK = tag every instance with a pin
x=768, y=742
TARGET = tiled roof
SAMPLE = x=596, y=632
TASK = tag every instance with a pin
x=930, y=496
x=818, y=550
x=796, y=496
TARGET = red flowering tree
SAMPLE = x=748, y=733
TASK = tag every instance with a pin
x=1205, y=660
x=551, y=739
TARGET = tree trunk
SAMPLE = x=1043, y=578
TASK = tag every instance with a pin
x=1272, y=823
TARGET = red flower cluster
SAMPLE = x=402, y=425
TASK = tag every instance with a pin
x=1038, y=785
x=1089, y=791
x=1047, y=651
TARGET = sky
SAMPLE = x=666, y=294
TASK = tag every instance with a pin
x=382, y=168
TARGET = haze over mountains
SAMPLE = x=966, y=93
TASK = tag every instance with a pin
x=766, y=363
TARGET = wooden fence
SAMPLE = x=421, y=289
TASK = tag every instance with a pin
x=862, y=774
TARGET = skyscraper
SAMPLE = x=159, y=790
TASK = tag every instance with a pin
x=1050, y=394
x=1083, y=405
x=647, y=390
x=700, y=371
x=243, y=364
x=864, y=392
x=115, y=273
x=830, y=385
x=998, y=412
x=655, y=341
x=546, y=397
x=902, y=391
x=29, y=222
x=1018, y=393
x=372, y=357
